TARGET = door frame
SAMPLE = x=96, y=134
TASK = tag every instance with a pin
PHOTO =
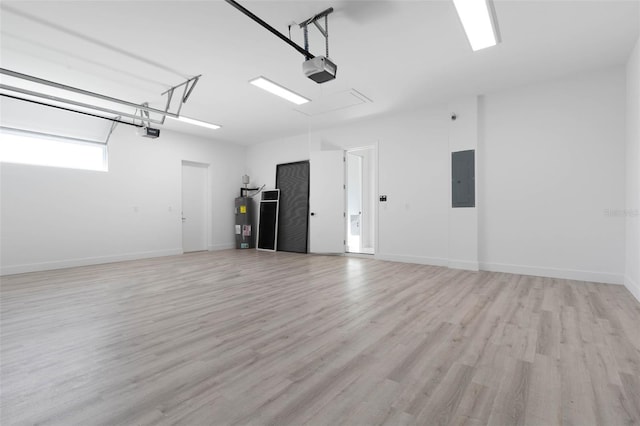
x=374, y=147
x=347, y=197
x=207, y=202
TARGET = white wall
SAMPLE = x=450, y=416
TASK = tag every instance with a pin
x=263, y=158
x=632, y=210
x=412, y=172
x=463, y=221
x=53, y=217
x=553, y=156
x=550, y=162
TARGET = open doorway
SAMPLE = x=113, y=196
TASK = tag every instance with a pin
x=360, y=200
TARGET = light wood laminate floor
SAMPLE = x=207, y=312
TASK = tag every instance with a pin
x=245, y=337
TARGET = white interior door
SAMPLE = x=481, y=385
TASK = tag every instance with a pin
x=326, y=202
x=194, y=206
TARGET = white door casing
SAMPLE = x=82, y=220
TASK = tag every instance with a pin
x=354, y=203
x=361, y=195
x=194, y=206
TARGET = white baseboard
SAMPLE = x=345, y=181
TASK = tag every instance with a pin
x=464, y=264
x=590, y=276
x=569, y=274
x=433, y=261
x=633, y=287
x=70, y=263
x=222, y=246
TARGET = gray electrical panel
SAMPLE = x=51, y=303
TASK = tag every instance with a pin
x=245, y=236
x=463, y=181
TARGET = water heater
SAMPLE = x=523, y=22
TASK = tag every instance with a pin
x=245, y=232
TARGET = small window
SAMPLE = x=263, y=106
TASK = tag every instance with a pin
x=24, y=147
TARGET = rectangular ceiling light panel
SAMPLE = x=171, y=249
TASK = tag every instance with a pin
x=476, y=18
x=195, y=122
x=278, y=90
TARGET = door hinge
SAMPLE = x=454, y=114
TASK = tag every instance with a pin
x=344, y=214
x=344, y=186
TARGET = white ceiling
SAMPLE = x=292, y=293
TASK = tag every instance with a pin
x=400, y=54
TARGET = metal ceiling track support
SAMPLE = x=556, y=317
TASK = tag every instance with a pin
x=115, y=120
x=188, y=89
x=275, y=32
x=58, y=137
x=324, y=31
x=71, y=102
x=144, y=116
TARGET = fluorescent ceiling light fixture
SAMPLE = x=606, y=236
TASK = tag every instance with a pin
x=195, y=122
x=476, y=18
x=278, y=90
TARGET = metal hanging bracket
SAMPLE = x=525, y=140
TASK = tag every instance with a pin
x=144, y=115
x=324, y=31
x=188, y=89
x=113, y=127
